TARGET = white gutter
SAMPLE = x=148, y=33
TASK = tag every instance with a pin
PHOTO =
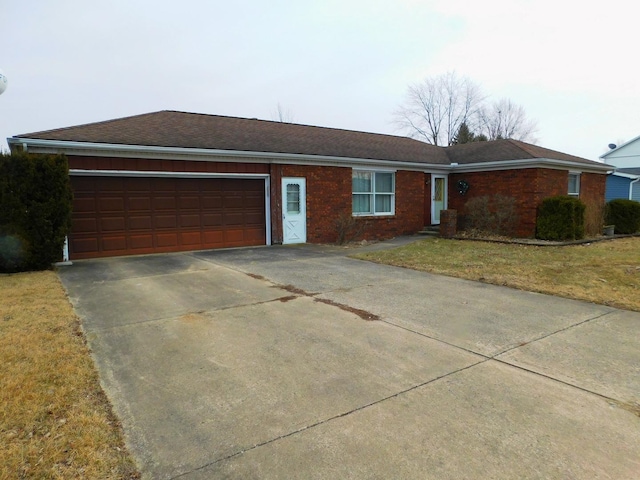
x=530, y=163
x=205, y=154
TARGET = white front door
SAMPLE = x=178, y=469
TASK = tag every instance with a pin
x=438, y=197
x=294, y=210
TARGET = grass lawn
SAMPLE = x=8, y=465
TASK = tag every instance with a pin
x=602, y=272
x=55, y=421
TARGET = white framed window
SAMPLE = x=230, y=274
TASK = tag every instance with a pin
x=574, y=184
x=373, y=192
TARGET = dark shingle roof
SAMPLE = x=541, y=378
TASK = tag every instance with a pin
x=215, y=132
x=502, y=150
x=192, y=130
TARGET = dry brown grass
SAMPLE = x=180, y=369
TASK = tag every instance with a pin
x=603, y=272
x=55, y=421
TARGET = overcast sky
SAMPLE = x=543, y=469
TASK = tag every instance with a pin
x=572, y=65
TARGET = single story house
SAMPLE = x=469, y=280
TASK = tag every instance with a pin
x=173, y=181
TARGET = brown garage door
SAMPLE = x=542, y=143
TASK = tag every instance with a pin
x=127, y=216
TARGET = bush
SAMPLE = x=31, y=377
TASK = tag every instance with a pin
x=625, y=215
x=560, y=218
x=495, y=215
x=35, y=210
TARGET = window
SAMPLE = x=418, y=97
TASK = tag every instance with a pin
x=574, y=184
x=373, y=193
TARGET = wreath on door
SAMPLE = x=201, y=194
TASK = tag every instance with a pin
x=463, y=187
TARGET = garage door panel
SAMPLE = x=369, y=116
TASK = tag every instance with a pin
x=212, y=219
x=140, y=222
x=139, y=203
x=84, y=245
x=141, y=241
x=119, y=216
x=114, y=243
x=81, y=204
x=189, y=203
x=164, y=203
x=165, y=221
x=167, y=239
x=111, y=204
x=113, y=224
x=212, y=202
x=85, y=225
x=191, y=238
x=192, y=220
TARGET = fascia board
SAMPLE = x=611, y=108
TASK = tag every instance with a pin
x=211, y=155
x=530, y=163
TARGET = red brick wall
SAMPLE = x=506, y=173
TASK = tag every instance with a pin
x=329, y=198
x=528, y=186
x=592, y=187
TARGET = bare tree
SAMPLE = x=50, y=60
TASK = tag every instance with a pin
x=282, y=115
x=434, y=109
x=505, y=119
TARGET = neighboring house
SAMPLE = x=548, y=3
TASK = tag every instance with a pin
x=626, y=155
x=173, y=181
x=623, y=182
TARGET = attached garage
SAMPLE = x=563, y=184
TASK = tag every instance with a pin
x=116, y=215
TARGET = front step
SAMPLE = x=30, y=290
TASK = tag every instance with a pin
x=430, y=231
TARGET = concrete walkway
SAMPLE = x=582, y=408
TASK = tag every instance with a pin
x=298, y=362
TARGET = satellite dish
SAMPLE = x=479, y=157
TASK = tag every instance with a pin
x=3, y=82
x=612, y=146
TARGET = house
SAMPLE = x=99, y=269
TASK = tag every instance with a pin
x=174, y=181
x=623, y=182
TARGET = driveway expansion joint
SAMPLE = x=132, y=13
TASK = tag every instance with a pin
x=327, y=420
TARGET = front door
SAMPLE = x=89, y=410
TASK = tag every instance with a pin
x=294, y=210
x=438, y=197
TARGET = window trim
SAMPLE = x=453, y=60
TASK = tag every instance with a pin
x=577, y=177
x=373, y=194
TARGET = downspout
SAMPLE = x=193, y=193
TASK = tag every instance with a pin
x=631, y=187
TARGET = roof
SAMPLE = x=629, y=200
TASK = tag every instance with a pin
x=192, y=130
x=503, y=150
x=630, y=171
x=216, y=133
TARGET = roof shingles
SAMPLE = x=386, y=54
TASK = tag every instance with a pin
x=214, y=132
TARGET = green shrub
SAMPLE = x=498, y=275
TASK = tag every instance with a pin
x=560, y=218
x=624, y=214
x=35, y=210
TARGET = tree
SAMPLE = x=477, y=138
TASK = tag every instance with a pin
x=282, y=115
x=434, y=109
x=505, y=119
x=465, y=135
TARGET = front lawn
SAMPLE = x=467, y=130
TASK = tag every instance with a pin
x=602, y=272
x=55, y=421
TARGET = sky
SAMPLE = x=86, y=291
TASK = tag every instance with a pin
x=572, y=65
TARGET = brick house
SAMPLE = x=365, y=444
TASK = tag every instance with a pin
x=174, y=181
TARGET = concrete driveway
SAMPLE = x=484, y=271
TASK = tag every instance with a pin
x=297, y=362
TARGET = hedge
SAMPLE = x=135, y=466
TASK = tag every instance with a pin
x=560, y=218
x=35, y=210
x=624, y=214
